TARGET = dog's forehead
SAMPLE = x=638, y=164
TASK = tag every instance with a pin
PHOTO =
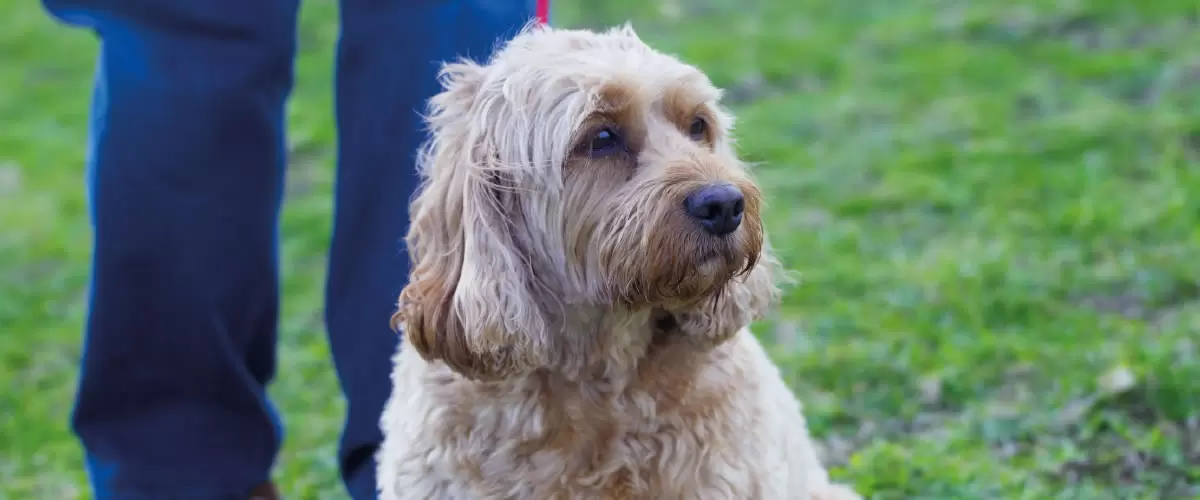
x=655, y=81
x=665, y=93
x=615, y=66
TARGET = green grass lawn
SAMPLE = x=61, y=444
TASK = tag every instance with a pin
x=994, y=206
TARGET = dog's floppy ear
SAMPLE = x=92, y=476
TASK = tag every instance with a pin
x=468, y=301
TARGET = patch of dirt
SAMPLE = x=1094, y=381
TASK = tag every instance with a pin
x=748, y=88
x=1127, y=305
x=1191, y=141
x=1114, y=459
x=1084, y=30
x=304, y=168
x=1139, y=306
x=838, y=447
x=10, y=178
x=756, y=87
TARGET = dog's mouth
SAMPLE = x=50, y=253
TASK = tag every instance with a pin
x=709, y=256
x=720, y=263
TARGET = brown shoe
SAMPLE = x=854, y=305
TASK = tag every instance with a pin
x=265, y=492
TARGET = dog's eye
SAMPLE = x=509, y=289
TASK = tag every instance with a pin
x=699, y=129
x=604, y=143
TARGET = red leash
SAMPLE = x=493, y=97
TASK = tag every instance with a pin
x=543, y=11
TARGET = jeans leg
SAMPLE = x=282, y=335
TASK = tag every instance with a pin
x=387, y=63
x=185, y=176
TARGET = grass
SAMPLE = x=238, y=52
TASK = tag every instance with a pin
x=994, y=206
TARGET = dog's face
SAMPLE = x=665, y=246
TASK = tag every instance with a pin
x=575, y=178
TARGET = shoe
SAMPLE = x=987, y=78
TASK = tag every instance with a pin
x=265, y=491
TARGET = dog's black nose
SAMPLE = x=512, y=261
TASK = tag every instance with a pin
x=718, y=207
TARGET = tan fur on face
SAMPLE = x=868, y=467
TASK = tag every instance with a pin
x=569, y=330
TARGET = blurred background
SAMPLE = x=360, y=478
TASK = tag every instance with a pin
x=994, y=207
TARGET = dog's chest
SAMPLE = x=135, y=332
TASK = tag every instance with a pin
x=673, y=434
x=673, y=460
x=639, y=445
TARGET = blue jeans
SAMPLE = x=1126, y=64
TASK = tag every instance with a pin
x=185, y=180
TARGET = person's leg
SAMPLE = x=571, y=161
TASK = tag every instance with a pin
x=387, y=65
x=185, y=175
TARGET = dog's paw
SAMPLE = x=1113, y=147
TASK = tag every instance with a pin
x=830, y=491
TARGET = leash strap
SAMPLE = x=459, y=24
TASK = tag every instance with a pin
x=543, y=11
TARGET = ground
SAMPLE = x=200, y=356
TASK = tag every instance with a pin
x=993, y=206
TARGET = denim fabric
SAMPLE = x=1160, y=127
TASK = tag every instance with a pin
x=186, y=162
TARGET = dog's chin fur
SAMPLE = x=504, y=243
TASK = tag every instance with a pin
x=569, y=332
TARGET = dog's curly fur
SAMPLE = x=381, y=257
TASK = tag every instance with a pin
x=569, y=331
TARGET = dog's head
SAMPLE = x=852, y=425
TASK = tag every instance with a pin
x=577, y=174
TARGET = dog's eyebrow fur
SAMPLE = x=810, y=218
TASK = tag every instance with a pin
x=616, y=95
x=617, y=103
x=681, y=103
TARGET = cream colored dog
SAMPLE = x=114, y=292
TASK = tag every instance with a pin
x=588, y=254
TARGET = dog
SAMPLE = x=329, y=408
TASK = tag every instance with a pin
x=588, y=254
